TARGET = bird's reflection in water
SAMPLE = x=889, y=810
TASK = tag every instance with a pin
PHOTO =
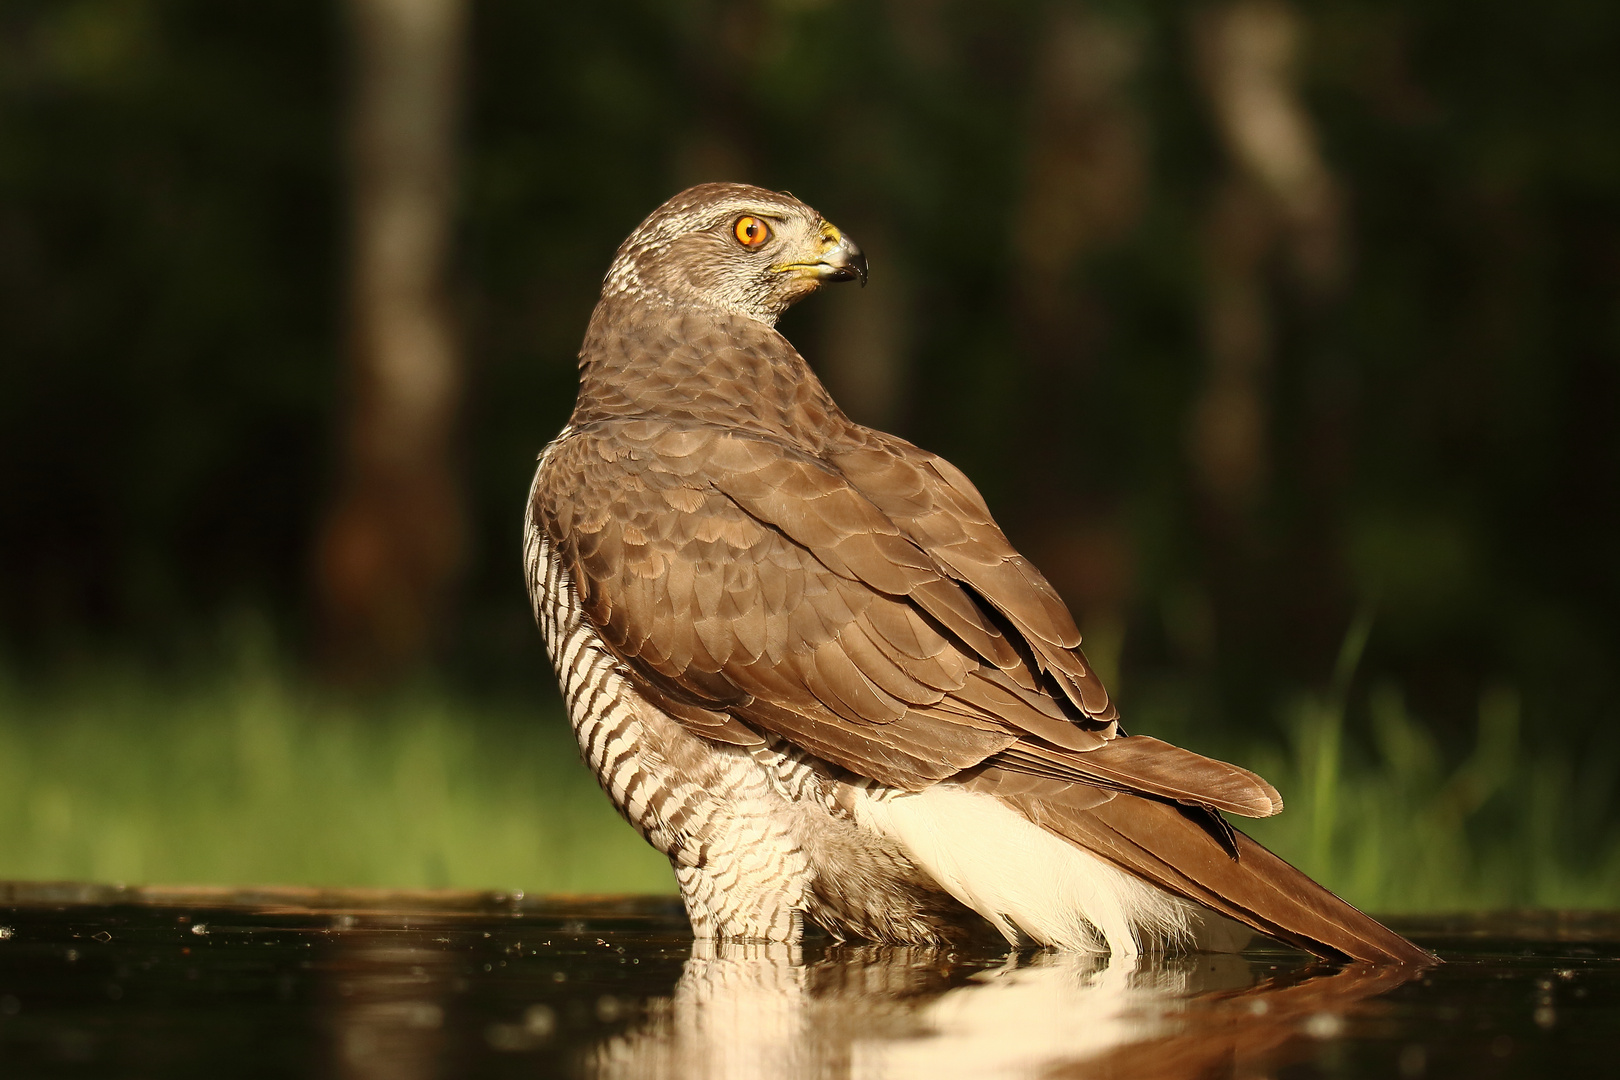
x=749, y=1011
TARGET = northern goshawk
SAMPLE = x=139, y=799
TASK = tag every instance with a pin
x=807, y=666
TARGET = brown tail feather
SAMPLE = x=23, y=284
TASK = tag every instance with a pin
x=1166, y=845
x=1141, y=763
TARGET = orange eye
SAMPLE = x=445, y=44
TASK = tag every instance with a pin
x=751, y=232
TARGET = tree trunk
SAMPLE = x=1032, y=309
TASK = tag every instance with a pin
x=1278, y=194
x=392, y=543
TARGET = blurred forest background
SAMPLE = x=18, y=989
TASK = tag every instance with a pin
x=1283, y=334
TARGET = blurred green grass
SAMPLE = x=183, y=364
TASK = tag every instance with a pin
x=1396, y=827
x=1391, y=824
x=258, y=777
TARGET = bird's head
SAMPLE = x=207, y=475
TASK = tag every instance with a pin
x=733, y=248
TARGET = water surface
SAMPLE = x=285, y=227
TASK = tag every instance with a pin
x=108, y=982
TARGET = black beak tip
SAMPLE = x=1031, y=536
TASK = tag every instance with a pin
x=854, y=263
x=845, y=262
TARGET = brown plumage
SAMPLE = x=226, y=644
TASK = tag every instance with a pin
x=838, y=607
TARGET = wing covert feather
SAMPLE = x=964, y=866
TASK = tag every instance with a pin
x=757, y=589
x=937, y=507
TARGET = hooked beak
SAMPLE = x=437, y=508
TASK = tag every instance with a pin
x=843, y=262
x=840, y=259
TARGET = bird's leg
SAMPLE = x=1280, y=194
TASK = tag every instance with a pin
x=746, y=878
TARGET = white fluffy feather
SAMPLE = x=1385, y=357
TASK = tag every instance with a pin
x=1028, y=882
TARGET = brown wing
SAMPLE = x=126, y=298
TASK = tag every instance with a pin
x=741, y=579
x=938, y=506
x=720, y=613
